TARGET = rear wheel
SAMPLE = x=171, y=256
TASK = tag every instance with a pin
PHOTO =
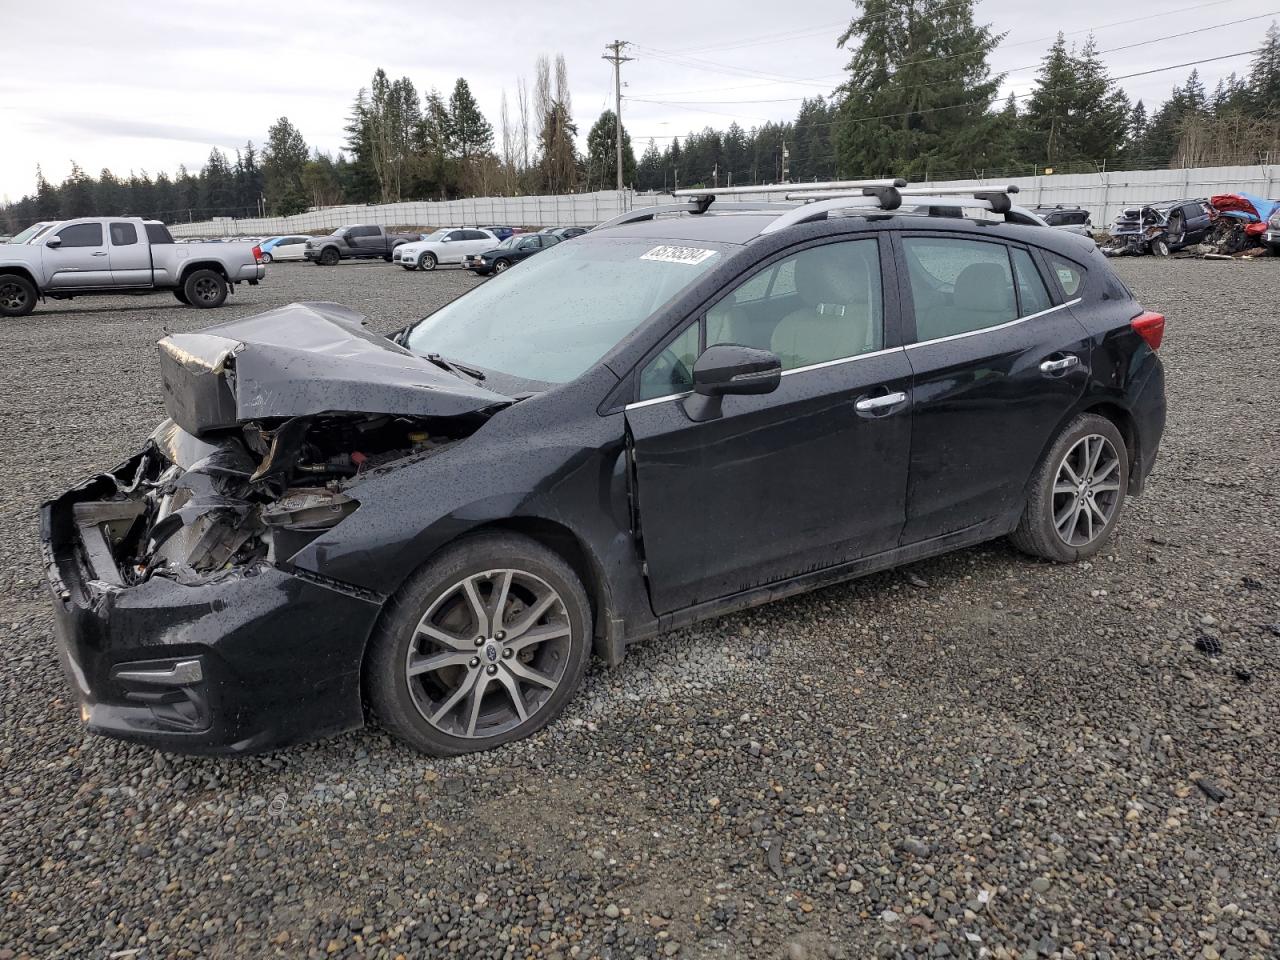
x=1077, y=493
x=388, y=257
x=328, y=257
x=484, y=645
x=427, y=261
x=17, y=295
x=205, y=289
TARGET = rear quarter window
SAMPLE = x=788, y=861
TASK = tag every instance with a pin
x=1070, y=275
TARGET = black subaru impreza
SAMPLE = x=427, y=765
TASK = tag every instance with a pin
x=675, y=416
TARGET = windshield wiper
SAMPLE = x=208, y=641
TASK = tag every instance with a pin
x=453, y=366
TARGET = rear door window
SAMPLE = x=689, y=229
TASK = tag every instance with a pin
x=959, y=286
x=158, y=233
x=123, y=234
x=1033, y=295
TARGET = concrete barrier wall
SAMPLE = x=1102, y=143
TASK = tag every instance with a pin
x=1103, y=194
x=577, y=209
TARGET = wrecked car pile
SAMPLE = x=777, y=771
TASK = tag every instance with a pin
x=1226, y=226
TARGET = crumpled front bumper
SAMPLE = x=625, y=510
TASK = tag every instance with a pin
x=243, y=661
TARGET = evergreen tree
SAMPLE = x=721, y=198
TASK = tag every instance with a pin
x=649, y=170
x=283, y=159
x=1264, y=76
x=357, y=172
x=470, y=133
x=602, y=155
x=75, y=196
x=320, y=181
x=1075, y=111
x=919, y=89
x=111, y=197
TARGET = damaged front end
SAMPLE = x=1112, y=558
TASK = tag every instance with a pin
x=181, y=618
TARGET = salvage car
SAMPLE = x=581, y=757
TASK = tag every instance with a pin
x=444, y=246
x=127, y=255
x=435, y=530
x=508, y=253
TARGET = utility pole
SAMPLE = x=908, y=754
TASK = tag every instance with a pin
x=617, y=59
x=785, y=157
x=715, y=175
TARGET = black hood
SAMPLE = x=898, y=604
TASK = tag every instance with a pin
x=301, y=360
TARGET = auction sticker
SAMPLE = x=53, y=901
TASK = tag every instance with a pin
x=673, y=254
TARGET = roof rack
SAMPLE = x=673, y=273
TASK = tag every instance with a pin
x=818, y=200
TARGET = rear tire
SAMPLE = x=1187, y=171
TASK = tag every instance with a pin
x=205, y=289
x=412, y=674
x=1077, y=493
x=17, y=295
x=427, y=261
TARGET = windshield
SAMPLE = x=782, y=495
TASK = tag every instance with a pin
x=510, y=242
x=31, y=232
x=436, y=235
x=552, y=317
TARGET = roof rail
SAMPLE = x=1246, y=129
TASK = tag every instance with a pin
x=697, y=205
x=846, y=185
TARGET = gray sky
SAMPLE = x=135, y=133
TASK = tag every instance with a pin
x=132, y=86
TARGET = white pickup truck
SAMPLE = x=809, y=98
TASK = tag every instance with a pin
x=101, y=255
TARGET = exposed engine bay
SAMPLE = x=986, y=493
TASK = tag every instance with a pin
x=194, y=509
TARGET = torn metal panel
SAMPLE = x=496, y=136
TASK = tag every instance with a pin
x=302, y=360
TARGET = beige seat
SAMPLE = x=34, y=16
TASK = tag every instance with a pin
x=837, y=319
x=983, y=297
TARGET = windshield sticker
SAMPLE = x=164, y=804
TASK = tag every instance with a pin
x=672, y=254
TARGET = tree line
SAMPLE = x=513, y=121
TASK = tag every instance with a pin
x=920, y=100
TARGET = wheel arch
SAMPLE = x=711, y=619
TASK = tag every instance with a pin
x=213, y=265
x=23, y=272
x=1118, y=414
x=606, y=641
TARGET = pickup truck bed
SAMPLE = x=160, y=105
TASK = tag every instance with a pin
x=104, y=255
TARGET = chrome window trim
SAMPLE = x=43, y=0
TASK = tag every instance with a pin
x=786, y=373
x=1000, y=326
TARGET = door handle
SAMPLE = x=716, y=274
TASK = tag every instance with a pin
x=98, y=253
x=882, y=402
x=1050, y=367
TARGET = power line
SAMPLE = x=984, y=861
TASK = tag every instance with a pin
x=1128, y=46
x=669, y=57
x=987, y=104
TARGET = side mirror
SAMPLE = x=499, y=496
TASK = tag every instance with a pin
x=54, y=242
x=446, y=239
x=729, y=369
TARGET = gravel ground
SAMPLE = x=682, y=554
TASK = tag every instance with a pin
x=980, y=753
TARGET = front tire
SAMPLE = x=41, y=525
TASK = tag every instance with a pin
x=427, y=261
x=502, y=266
x=205, y=289
x=266, y=258
x=484, y=645
x=1077, y=493
x=329, y=257
x=1160, y=248
x=180, y=296
x=17, y=295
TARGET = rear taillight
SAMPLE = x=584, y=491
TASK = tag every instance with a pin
x=1150, y=327
x=257, y=254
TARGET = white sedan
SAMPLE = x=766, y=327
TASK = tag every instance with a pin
x=444, y=246
x=284, y=248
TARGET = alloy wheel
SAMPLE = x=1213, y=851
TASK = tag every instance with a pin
x=488, y=653
x=500, y=266
x=13, y=296
x=1086, y=490
x=206, y=289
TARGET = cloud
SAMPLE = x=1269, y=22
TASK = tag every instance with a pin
x=132, y=128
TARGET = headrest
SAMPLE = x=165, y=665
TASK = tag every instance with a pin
x=831, y=275
x=983, y=286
